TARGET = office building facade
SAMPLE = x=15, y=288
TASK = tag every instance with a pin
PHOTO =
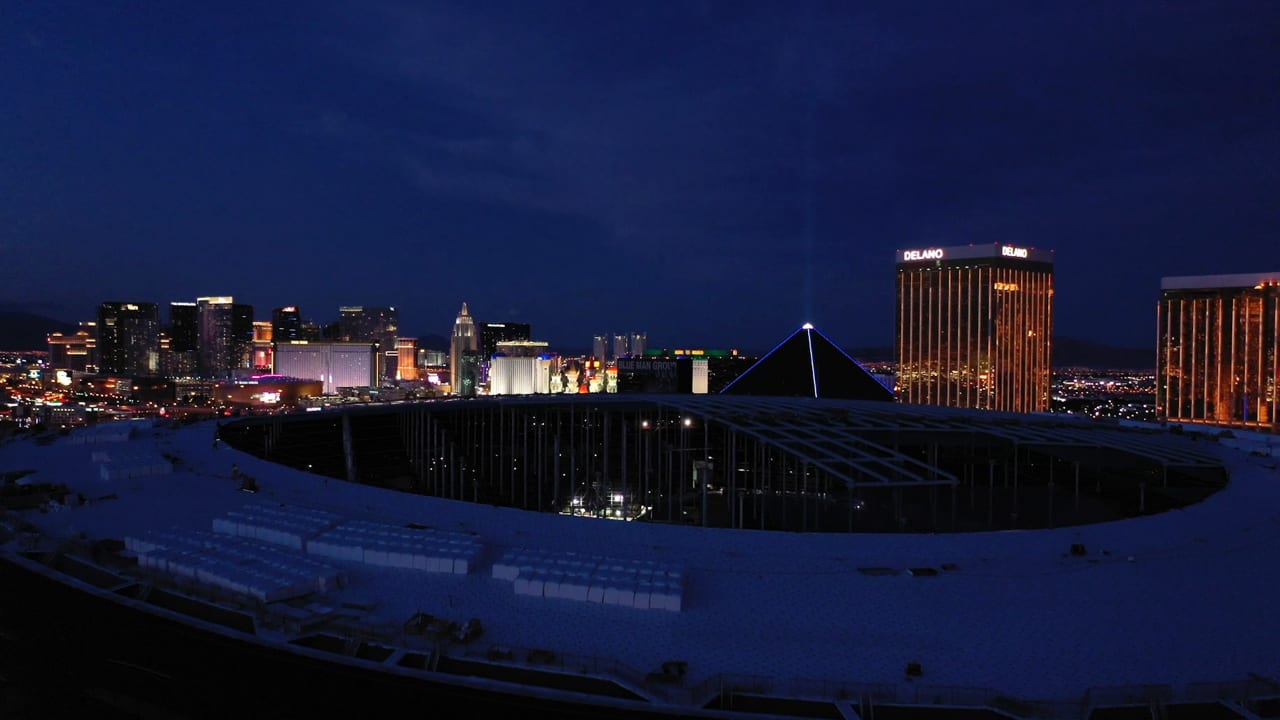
x=975, y=327
x=1218, y=353
x=129, y=339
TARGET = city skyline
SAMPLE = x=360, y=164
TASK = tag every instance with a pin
x=716, y=175
x=329, y=330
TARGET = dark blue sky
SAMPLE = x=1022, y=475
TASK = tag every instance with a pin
x=713, y=173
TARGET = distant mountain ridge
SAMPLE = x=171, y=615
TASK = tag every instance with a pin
x=1067, y=352
x=28, y=331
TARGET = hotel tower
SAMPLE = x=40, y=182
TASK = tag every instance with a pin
x=1218, y=359
x=975, y=327
x=464, y=342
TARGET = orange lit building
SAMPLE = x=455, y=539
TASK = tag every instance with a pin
x=76, y=351
x=263, y=352
x=406, y=358
x=975, y=327
x=1218, y=356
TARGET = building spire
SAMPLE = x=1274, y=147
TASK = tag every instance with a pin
x=463, y=380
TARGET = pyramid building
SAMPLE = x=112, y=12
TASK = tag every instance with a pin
x=808, y=364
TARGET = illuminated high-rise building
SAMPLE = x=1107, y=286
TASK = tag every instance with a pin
x=310, y=330
x=225, y=336
x=406, y=358
x=975, y=327
x=620, y=348
x=361, y=323
x=611, y=346
x=286, y=324
x=129, y=338
x=242, y=329
x=492, y=333
x=184, y=326
x=263, y=356
x=182, y=357
x=639, y=343
x=1218, y=354
x=464, y=340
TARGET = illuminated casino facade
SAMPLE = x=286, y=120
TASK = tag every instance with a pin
x=267, y=391
x=76, y=352
x=1218, y=359
x=335, y=364
x=975, y=327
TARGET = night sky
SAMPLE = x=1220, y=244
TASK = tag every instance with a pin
x=715, y=174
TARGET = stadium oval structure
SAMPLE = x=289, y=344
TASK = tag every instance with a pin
x=645, y=556
x=740, y=462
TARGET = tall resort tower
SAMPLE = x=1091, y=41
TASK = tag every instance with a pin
x=975, y=327
x=464, y=340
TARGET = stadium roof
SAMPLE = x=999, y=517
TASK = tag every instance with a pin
x=857, y=441
x=1186, y=611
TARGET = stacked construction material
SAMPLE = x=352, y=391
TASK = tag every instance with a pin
x=290, y=526
x=328, y=535
x=120, y=464
x=241, y=566
x=640, y=584
x=386, y=545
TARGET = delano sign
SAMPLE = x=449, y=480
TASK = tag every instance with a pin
x=928, y=254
